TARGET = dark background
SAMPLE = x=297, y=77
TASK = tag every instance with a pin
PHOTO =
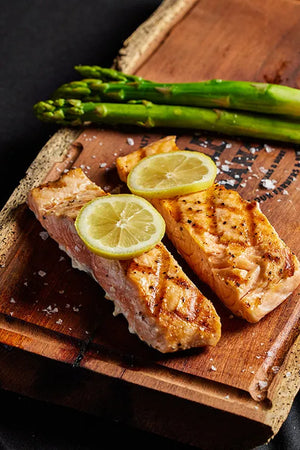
x=41, y=41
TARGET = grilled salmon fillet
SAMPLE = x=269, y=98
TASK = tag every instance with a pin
x=227, y=241
x=162, y=306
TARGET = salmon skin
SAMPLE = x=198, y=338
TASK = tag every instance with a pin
x=161, y=304
x=227, y=241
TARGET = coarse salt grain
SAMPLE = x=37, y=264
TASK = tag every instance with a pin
x=213, y=368
x=44, y=235
x=231, y=182
x=268, y=184
x=130, y=141
x=104, y=164
x=268, y=148
x=262, y=384
x=12, y=300
x=225, y=167
x=263, y=169
x=41, y=273
x=50, y=310
x=59, y=322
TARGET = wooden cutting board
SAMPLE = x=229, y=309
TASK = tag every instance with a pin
x=49, y=309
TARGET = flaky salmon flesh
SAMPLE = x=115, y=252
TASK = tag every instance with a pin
x=161, y=304
x=227, y=241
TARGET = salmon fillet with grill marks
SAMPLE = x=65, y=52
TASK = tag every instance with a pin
x=227, y=241
x=162, y=306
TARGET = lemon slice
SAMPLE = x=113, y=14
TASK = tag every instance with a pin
x=169, y=174
x=119, y=226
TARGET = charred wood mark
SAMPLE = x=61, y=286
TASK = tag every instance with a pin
x=83, y=346
x=278, y=76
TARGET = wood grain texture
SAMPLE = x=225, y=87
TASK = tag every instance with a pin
x=235, y=40
x=50, y=309
x=248, y=355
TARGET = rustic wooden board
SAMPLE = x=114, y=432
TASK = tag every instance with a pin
x=52, y=310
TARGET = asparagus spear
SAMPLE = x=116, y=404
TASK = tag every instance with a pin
x=240, y=95
x=75, y=112
x=105, y=74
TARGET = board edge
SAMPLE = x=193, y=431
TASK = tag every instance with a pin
x=146, y=38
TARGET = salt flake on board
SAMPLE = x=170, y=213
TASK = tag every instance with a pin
x=130, y=141
x=268, y=184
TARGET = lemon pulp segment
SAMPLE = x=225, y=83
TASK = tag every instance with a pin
x=169, y=174
x=119, y=226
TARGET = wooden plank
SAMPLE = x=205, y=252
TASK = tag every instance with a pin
x=230, y=40
x=128, y=403
x=247, y=354
x=54, y=308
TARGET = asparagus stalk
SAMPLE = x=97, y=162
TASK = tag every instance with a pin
x=106, y=74
x=146, y=114
x=240, y=95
